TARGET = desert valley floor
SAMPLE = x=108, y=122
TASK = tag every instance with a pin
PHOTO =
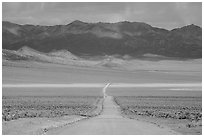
x=124, y=110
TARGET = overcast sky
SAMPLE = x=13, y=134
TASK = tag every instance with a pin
x=164, y=15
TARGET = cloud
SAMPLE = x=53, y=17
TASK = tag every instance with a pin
x=166, y=15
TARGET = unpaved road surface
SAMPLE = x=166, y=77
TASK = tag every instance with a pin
x=110, y=122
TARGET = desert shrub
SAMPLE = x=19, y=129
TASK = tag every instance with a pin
x=162, y=107
x=31, y=107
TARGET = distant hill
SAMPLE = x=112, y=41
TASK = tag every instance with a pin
x=123, y=38
x=26, y=53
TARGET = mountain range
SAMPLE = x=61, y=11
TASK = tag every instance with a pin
x=92, y=39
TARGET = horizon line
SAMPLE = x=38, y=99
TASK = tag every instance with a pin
x=97, y=23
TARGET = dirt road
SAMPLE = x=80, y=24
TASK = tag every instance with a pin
x=110, y=122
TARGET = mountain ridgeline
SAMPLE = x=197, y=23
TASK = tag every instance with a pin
x=123, y=38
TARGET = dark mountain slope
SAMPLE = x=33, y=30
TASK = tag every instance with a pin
x=123, y=38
